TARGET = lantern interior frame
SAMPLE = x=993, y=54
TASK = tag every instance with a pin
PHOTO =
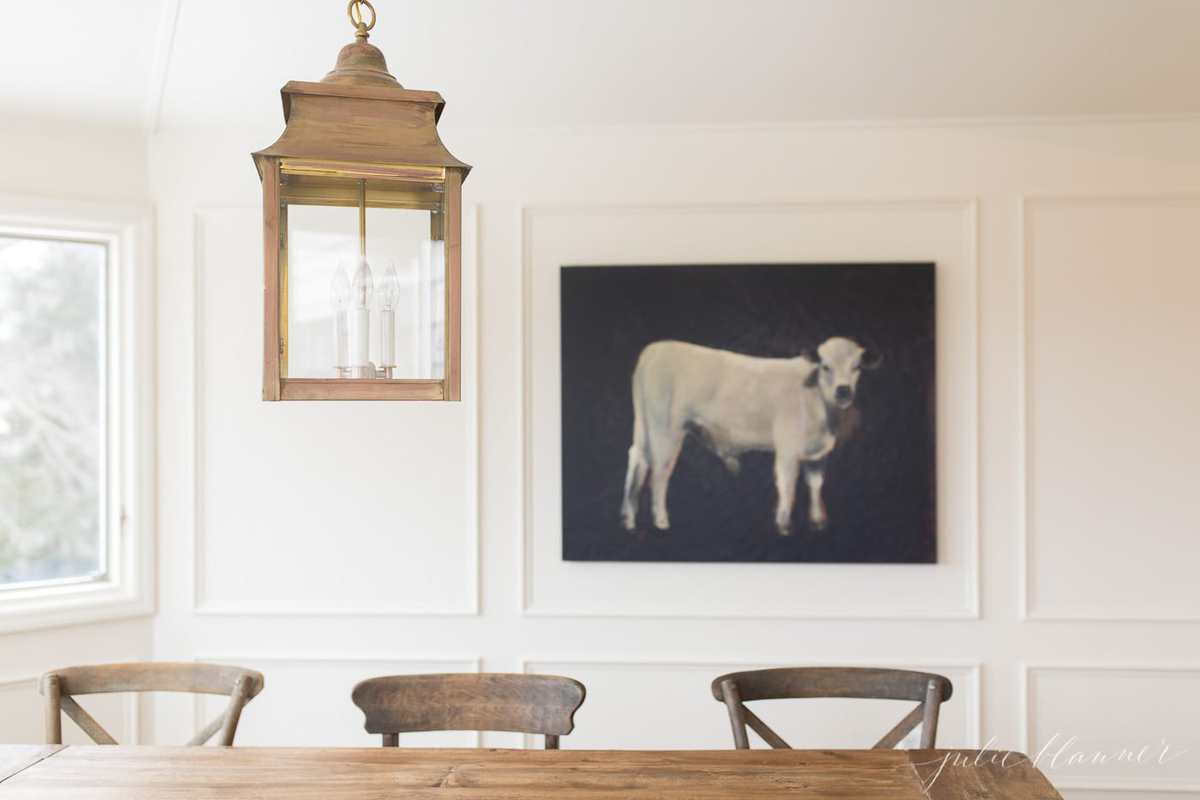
x=296, y=181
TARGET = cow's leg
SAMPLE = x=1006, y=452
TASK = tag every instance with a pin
x=664, y=451
x=814, y=476
x=635, y=479
x=787, y=470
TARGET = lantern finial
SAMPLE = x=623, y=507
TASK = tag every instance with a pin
x=355, y=12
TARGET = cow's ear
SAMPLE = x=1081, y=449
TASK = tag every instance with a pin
x=870, y=359
x=810, y=354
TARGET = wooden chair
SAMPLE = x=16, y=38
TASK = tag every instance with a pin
x=538, y=704
x=61, y=686
x=738, y=688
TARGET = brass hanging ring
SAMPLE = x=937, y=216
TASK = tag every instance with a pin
x=354, y=11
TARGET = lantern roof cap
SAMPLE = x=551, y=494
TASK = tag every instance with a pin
x=359, y=112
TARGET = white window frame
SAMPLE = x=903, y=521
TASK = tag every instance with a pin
x=127, y=587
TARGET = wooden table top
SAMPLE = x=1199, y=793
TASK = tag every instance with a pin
x=178, y=773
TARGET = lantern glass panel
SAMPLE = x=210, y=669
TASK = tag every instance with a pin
x=339, y=319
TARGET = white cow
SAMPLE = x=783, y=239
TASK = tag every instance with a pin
x=740, y=403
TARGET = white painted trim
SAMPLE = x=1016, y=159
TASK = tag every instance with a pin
x=475, y=664
x=1092, y=784
x=129, y=591
x=968, y=206
x=1025, y=482
x=720, y=666
x=164, y=45
x=470, y=400
x=867, y=123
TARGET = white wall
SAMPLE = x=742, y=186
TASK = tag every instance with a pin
x=61, y=162
x=331, y=541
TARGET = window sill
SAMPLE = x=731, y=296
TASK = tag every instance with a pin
x=70, y=604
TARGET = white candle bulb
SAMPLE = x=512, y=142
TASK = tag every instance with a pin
x=361, y=291
x=389, y=296
x=339, y=291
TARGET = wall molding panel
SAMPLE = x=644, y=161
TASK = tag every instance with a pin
x=1168, y=673
x=201, y=604
x=961, y=230
x=1028, y=534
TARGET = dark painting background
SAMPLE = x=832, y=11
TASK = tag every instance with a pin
x=880, y=486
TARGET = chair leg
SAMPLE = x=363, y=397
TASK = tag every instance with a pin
x=551, y=741
x=737, y=720
x=53, y=692
x=233, y=713
x=391, y=740
x=929, y=724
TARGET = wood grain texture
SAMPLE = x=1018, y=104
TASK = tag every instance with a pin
x=142, y=773
x=16, y=757
x=534, y=704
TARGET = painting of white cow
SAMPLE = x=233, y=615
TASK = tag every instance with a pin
x=749, y=413
x=786, y=406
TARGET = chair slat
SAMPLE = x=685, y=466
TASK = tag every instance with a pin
x=86, y=721
x=535, y=704
x=154, y=676
x=762, y=729
x=206, y=733
x=901, y=729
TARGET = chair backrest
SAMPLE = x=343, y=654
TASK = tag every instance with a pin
x=926, y=689
x=61, y=686
x=396, y=704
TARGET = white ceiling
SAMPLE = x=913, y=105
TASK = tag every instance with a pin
x=176, y=63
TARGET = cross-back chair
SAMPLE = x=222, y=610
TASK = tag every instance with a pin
x=533, y=704
x=61, y=686
x=926, y=689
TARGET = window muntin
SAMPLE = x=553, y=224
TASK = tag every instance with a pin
x=54, y=414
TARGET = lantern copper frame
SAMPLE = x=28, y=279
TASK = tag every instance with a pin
x=358, y=138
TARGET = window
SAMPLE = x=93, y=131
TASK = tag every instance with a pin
x=74, y=387
x=53, y=436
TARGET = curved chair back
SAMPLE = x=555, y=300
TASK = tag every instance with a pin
x=536, y=704
x=61, y=686
x=926, y=689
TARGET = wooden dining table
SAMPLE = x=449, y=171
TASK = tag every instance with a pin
x=110, y=772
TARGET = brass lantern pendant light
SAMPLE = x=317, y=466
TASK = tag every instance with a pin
x=373, y=314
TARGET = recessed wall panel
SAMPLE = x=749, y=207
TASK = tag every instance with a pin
x=308, y=507
x=1112, y=393
x=1116, y=729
